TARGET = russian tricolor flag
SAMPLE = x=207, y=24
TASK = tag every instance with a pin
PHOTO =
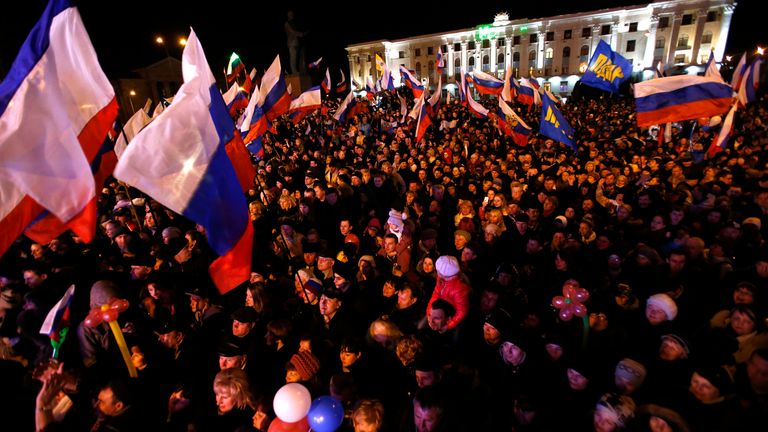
x=527, y=93
x=274, y=92
x=56, y=108
x=475, y=107
x=749, y=83
x=343, y=112
x=487, y=84
x=180, y=160
x=440, y=61
x=254, y=125
x=411, y=82
x=512, y=125
x=726, y=133
x=738, y=72
x=326, y=84
x=681, y=97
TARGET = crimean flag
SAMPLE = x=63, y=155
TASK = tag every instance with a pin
x=234, y=67
x=57, y=83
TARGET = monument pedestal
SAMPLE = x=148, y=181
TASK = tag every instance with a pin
x=299, y=83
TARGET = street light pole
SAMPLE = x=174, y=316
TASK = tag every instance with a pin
x=132, y=93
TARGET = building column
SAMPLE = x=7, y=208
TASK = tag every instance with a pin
x=596, y=29
x=650, y=42
x=614, y=37
x=449, y=58
x=464, y=54
x=673, y=38
x=722, y=36
x=540, y=51
x=493, y=57
x=701, y=19
x=507, y=53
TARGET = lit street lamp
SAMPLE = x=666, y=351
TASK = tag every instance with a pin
x=132, y=93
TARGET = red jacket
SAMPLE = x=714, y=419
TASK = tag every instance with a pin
x=455, y=292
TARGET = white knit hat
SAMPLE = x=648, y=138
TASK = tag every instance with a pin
x=665, y=303
x=447, y=266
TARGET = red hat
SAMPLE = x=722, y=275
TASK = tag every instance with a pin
x=306, y=364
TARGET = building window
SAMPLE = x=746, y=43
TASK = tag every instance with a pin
x=444, y=48
x=630, y=46
x=711, y=16
x=457, y=62
x=605, y=30
x=532, y=56
x=471, y=45
x=586, y=32
x=516, y=40
x=687, y=19
x=486, y=63
x=417, y=52
x=550, y=36
x=486, y=43
x=566, y=52
x=431, y=68
x=680, y=58
x=682, y=43
x=706, y=38
x=549, y=53
x=567, y=34
x=584, y=53
x=457, y=47
x=663, y=22
x=401, y=54
x=660, y=42
x=500, y=58
x=430, y=51
x=471, y=65
x=534, y=38
x=516, y=57
x=501, y=42
x=633, y=26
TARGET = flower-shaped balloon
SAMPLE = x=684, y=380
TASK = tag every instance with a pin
x=106, y=312
x=572, y=301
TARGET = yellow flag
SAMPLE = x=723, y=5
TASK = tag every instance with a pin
x=379, y=64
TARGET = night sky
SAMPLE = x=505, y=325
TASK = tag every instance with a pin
x=124, y=40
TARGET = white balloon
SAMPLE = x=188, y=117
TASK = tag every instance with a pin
x=714, y=121
x=292, y=402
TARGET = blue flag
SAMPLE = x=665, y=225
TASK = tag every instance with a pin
x=553, y=125
x=607, y=69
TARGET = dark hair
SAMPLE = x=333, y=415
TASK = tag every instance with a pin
x=444, y=306
x=429, y=397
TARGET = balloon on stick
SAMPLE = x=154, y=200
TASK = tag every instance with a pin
x=108, y=313
x=326, y=414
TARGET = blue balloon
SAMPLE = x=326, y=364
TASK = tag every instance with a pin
x=325, y=414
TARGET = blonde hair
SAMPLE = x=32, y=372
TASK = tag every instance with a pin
x=408, y=348
x=369, y=412
x=385, y=328
x=235, y=381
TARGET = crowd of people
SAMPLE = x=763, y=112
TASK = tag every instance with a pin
x=414, y=282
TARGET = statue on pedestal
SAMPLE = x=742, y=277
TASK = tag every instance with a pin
x=295, y=42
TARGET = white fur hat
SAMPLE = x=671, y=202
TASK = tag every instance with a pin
x=447, y=266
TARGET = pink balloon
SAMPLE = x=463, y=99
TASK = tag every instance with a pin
x=566, y=313
x=109, y=315
x=581, y=295
x=571, y=292
x=119, y=304
x=558, y=302
x=579, y=310
x=94, y=318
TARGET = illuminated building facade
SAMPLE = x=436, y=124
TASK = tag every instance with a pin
x=557, y=49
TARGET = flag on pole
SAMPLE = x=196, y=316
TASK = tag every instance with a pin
x=440, y=61
x=380, y=64
x=738, y=72
x=680, y=97
x=305, y=104
x=341, y=87
x=749, y=83
x=486, y=83
x=326, y=84
x=180, y=160
x=711, y=68
x=607, y=69
x=512, y=125
x=552, y=124
x=726, y=133
x=274, y=91
x=56, y=104
x=56, y=324
x=234, y=67
x=315, y=64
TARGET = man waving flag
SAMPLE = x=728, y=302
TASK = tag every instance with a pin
x=180, y=160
